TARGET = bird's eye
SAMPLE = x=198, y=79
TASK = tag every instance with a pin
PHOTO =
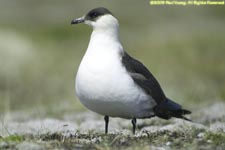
x=94, y=15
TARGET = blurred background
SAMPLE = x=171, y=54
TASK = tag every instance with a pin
x=184, y=47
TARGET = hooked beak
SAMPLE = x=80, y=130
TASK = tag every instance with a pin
x=76, y=21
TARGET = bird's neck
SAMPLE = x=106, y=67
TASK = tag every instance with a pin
x=105, y=37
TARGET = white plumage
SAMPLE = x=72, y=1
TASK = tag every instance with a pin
x=102, y=83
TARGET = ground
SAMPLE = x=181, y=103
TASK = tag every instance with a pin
x=85, y=130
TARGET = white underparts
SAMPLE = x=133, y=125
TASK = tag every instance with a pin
x=102, y=83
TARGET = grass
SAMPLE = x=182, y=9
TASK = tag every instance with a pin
x=12, y=138
x=187, y=139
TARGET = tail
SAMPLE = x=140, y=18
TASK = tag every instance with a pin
x=169, y=109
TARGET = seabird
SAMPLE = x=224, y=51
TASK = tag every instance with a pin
x=112, y=83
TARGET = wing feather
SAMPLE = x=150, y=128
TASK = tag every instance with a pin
x=143, y=77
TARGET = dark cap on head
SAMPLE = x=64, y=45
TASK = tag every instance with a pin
x=97, y=12
x=92, y=15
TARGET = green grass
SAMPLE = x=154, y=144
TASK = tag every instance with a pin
x=12, y=138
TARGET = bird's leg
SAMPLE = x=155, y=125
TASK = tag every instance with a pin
x=133, y=121
x=106, y=118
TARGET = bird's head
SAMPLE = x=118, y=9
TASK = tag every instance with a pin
x=98, y=18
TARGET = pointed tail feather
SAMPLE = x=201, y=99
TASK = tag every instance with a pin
x=183, y=117
x=180, y=114
x=169, y=109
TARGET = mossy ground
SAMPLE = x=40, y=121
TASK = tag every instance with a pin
x=190, y=139
x=85, y=130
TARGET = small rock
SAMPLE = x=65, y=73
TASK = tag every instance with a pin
x=209, y=141
x=100, y=139
x=144, y=135
x=123, y=141
x=201, y=135
x=168, y=143
x=94, y=140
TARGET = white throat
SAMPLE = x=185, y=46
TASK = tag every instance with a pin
x=105, y=32
x=104, y=42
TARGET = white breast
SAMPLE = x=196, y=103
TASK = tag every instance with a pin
x=104, y=86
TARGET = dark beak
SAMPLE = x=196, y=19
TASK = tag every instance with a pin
x=76, y=21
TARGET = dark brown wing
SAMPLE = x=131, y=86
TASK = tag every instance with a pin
x=165, y=107
x=143, y=77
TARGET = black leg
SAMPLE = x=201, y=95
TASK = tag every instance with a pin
x=106, y=118
x=133, y=121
